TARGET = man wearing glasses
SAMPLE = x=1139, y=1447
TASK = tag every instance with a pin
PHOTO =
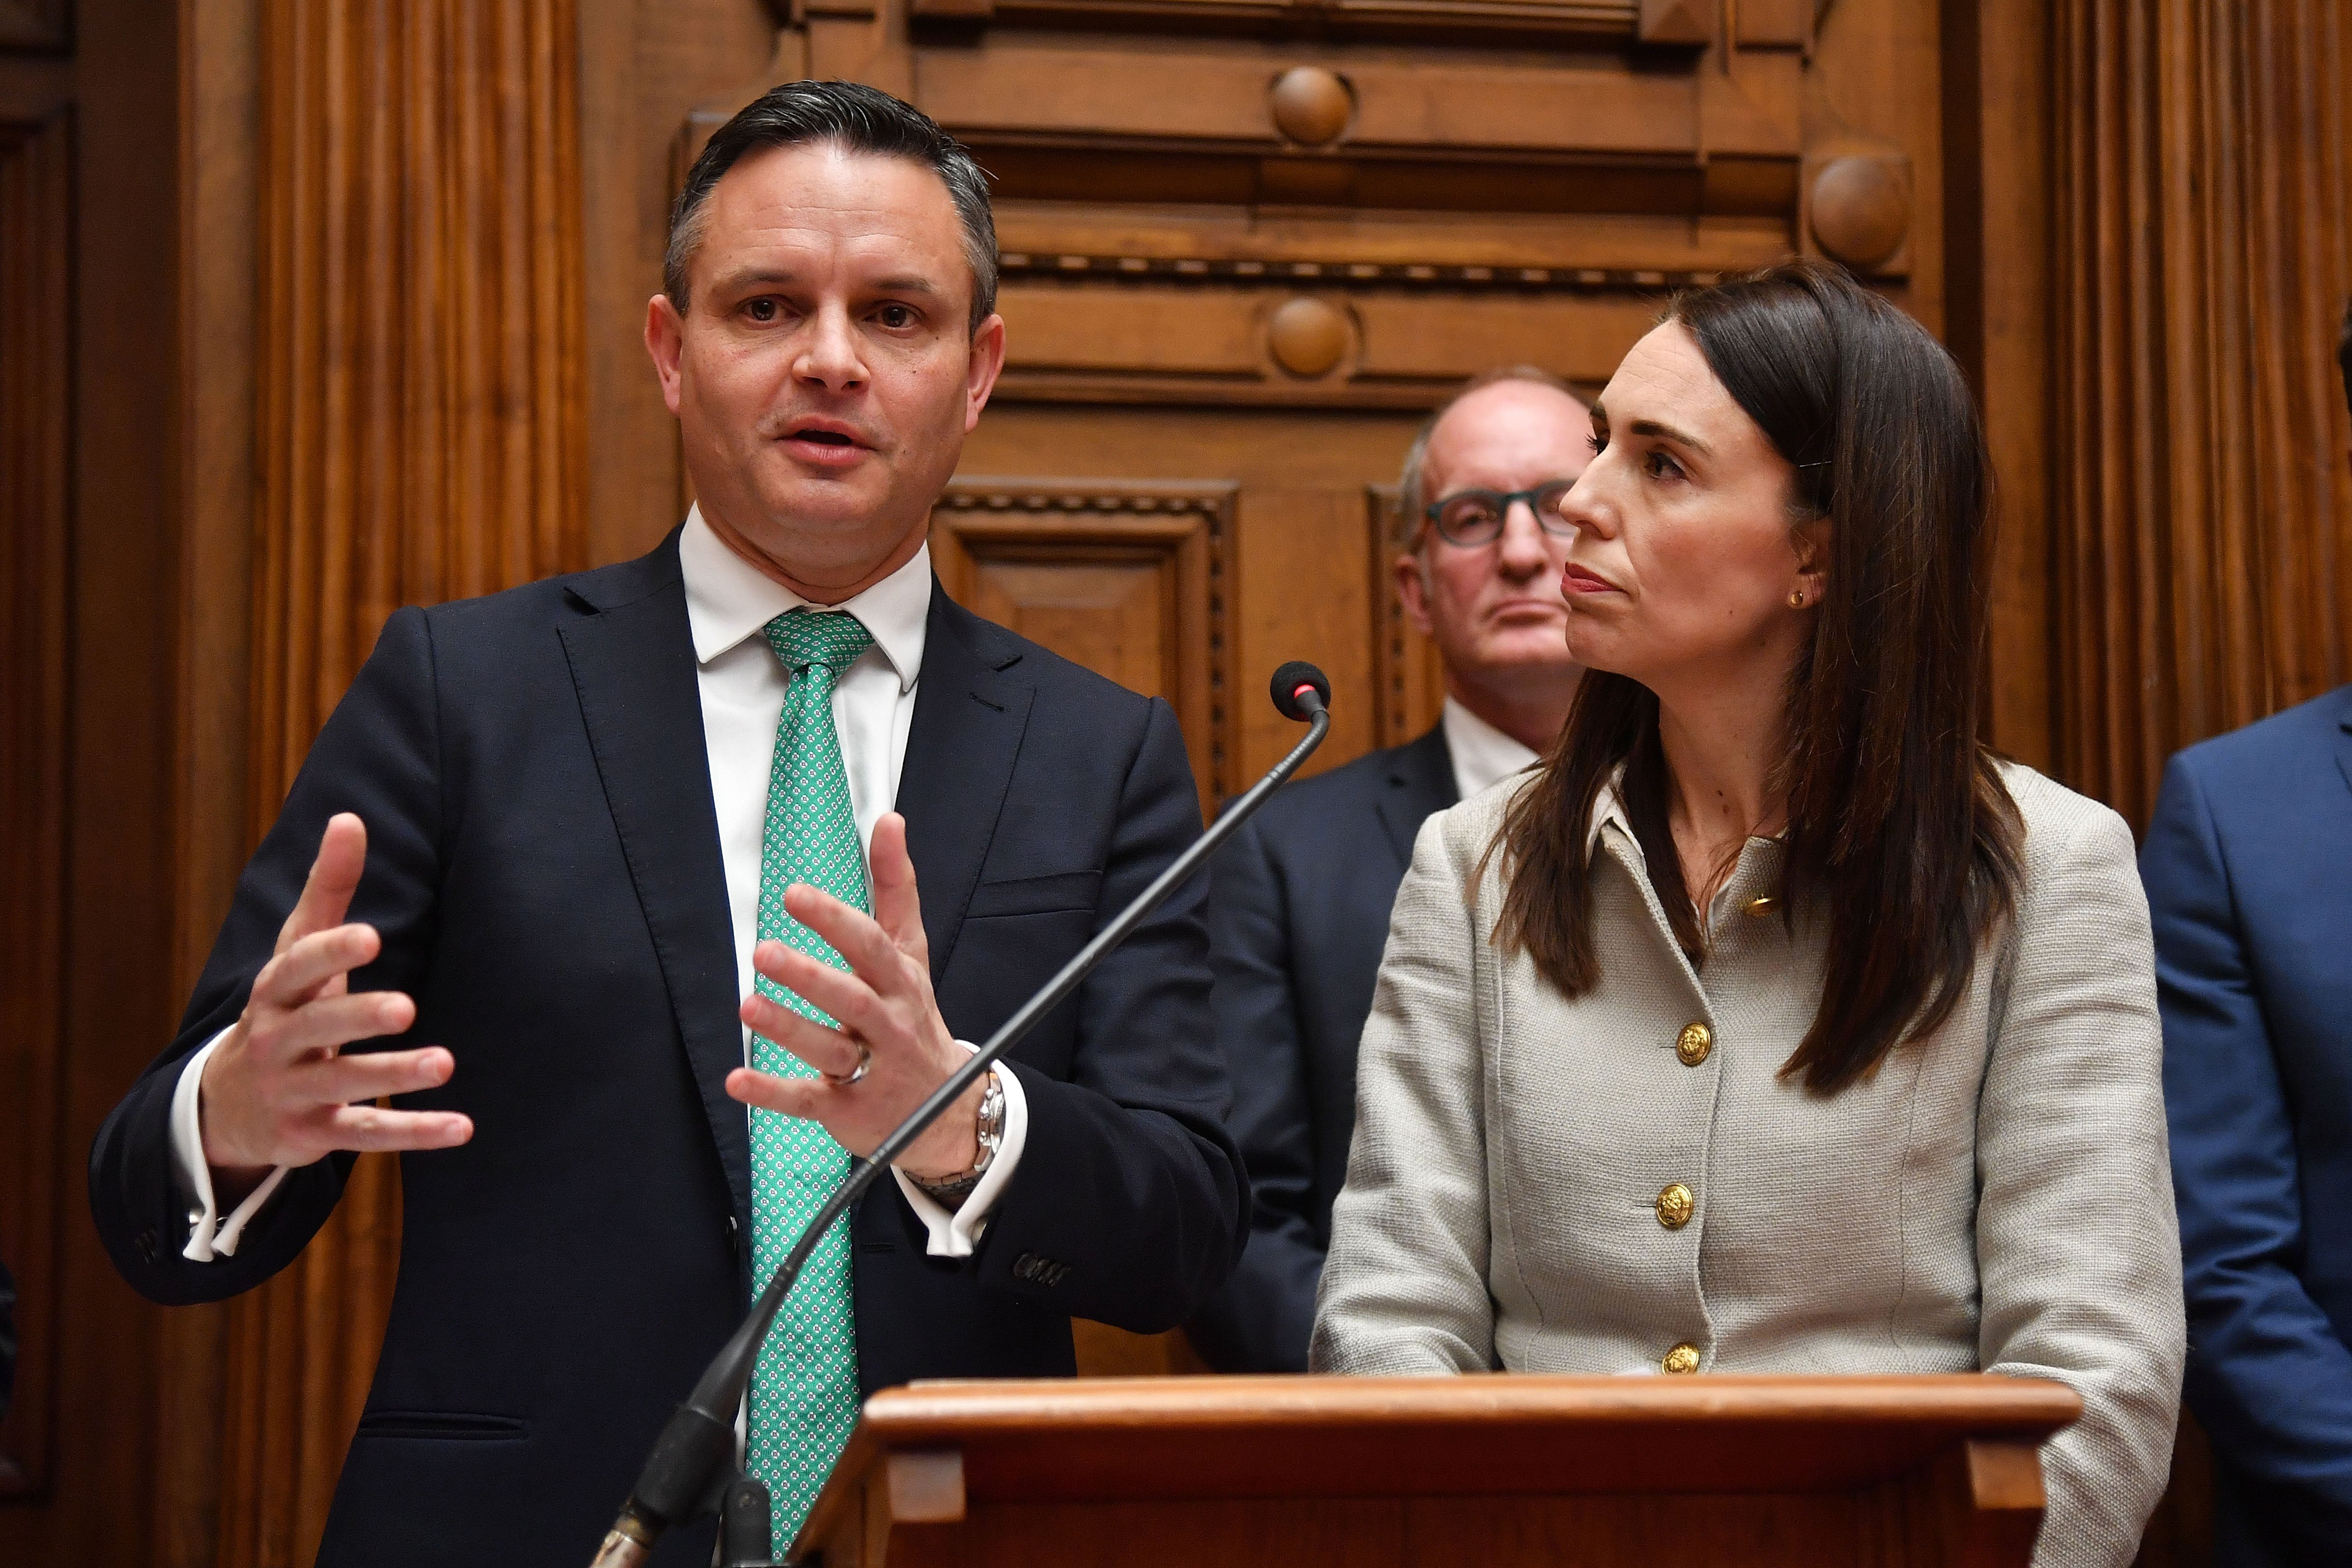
x=1299, y=901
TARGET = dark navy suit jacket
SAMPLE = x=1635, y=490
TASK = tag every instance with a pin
x=2248, y=872
x=1298, y=915
x=543, y=864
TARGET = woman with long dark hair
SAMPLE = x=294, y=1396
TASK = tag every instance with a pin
x=1771, y=1023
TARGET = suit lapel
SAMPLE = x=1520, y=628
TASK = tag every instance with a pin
x=1420, y=781
x=970, y=712
x=633, y=666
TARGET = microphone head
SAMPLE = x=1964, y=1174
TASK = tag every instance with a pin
x=1293, y=685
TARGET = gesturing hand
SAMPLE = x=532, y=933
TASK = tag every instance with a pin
x=276, y=1092
x=885, y=1004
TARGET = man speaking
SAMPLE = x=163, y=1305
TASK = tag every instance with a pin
x=580, y=872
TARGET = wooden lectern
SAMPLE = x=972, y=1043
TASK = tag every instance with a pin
x=1577, y=1472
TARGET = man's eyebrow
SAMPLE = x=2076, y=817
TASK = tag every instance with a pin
x=1652, y=427
x=753, y=277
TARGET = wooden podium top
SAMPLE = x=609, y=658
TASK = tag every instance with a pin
x=1225, y=1438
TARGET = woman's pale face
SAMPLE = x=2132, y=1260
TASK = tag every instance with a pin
x=1683, y=558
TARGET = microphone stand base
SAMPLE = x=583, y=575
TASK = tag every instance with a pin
x=745, y=1537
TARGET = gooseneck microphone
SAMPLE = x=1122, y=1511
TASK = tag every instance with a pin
x=692, y=1469
x=1300, y=691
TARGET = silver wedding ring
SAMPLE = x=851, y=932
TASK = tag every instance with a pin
x=865, y=1060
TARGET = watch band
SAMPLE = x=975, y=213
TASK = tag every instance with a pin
x=952, y=1192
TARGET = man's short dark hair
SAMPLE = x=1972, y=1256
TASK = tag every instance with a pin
x=855, y=119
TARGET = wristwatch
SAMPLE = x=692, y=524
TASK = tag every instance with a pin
x=951, y=1192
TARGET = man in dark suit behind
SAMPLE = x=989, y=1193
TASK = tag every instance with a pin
x=2247, y=866
x=579, y=871
x=1300, y=899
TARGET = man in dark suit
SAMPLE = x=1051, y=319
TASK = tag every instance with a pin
x=1300, y=899
x=578, y=869
x=2248, y=867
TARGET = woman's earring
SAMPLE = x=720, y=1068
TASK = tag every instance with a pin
x=1796, y=599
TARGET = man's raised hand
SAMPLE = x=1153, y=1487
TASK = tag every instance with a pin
x=275, y=1091
x=884, y=1005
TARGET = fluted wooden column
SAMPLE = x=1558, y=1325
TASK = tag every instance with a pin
x=419, y=436
x=2202, y=506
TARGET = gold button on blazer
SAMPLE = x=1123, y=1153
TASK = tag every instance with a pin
x=1997, y=1196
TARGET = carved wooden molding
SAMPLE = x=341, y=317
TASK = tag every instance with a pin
x=1019, y=264
x=1468, y=133
x=1130, y=498
x=1618, y=22
x=418, y=427
x=1688, y=22
x=36, y=455
x=1407, y=674
x=2202, y=504
x=1310, y=105
x=1859, y=208
x=1373, y=349
x=1026, y=531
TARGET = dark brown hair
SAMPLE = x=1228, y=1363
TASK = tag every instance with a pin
x=856, y=118
x=1900, y=832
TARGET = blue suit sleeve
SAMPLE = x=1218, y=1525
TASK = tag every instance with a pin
x=2267, y=1375
x=1261, y=1320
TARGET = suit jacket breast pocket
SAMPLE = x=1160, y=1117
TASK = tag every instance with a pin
x=444, y=1425
x=1056, y=894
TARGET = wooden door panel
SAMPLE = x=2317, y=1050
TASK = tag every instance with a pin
x=1301, y=572
x=1141, y=329
x=1408, y=677
x=1577, y=336
x=1112, y=617
x=36, y=160
x=1116, y=576
x=1291, y=564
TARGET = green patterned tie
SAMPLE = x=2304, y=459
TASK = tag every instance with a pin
x=804, y=1390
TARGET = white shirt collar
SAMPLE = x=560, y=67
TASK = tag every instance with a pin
x=1483, y=756
x=728, y=599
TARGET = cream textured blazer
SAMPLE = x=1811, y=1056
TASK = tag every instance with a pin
x=1995, y=1196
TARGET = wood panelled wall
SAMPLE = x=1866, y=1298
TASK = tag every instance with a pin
x=36, y=195
x=2202, y=260
x=88, y=317
x=352, y=293
x=419, y=436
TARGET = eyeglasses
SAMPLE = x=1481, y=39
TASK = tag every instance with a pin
x=1475, y=517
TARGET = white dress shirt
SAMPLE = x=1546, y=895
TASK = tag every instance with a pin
x=1483, y=756
x=727, y=601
